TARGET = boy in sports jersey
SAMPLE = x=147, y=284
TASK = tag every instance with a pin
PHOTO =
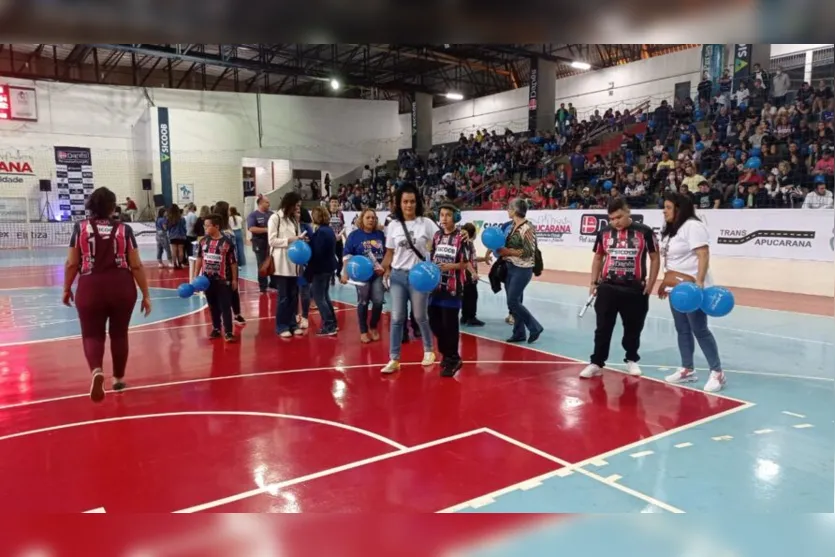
x=216, y=261
x=450, y=252
x=622, y=284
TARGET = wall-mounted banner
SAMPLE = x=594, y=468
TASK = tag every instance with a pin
x=15, y=168
x=532, y=97
x=185, y=194
x=713, y=61
x=755, y=233
x=73, y=181
x=164, y=132
x=742, y=63
x=414, y=126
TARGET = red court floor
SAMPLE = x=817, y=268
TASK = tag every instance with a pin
x=308, y=424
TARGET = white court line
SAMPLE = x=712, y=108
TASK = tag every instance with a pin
x=629, y=491
x=793, y=414
x=608, y=454
x=99, y=510
x=329, y=472
x=741, y=372
x=259, y=374
x=712, y=326
x=320, y=421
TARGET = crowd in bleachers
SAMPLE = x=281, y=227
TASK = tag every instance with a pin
x=733, y=145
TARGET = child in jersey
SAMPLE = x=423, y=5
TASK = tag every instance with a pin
x=337, y=224
x=450, y=252
x=216, y=261
x=469, y=302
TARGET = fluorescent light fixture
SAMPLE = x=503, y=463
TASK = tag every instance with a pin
x=335, y=84
x=455, y=96
x=581, y=65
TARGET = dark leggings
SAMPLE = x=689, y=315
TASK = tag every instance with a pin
x=444, y=323
x=105, y=303
x=219, y=297
x=236, y=303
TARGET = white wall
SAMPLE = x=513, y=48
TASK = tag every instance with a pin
x=784, y=49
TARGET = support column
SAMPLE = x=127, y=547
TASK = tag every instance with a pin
x=542, y=95
x=422, y=123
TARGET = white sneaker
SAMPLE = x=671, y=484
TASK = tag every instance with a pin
x=716, y=382
x=303, y=324
x=298, y=332
x=391, y=367
x=632, y=368
x=682, y=375
x=428, y=359
x=591, y=370
x=286, y=334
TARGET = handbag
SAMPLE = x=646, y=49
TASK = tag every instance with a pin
x=267, y=268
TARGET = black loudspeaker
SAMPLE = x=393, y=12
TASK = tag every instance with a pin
x=45, y=185
x=159, y=200
x=146, y=184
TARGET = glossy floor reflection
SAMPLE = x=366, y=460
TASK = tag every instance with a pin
x=310, y=425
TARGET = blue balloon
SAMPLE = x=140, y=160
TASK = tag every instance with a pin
x=756, y=152
x=299, y=252
x=698, y=114
x=685, y=138
x=607, y=185
x=493, y=238
x=425, y=276
x=753, y=162
x=700, y=146
x=360, y=268
x=686, y=297
x=738, y=203
x=507, y=227
x=200, y=284
x=717, y=301
x=185, y=290
x=724, y=156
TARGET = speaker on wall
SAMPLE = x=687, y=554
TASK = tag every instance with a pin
x=45, y=185
x=146, y=184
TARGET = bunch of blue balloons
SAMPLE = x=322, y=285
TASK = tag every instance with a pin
x=199, y=284
x=359, y=268
x=715, y=301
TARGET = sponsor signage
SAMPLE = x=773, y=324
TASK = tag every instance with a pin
x=164, y=132
x=414, y=126
x=15, y=169
x=73, y=181
x=532, y=97
x=742, y=63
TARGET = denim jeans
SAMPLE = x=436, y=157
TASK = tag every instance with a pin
x=517, y=280
x=163, y=245
x=372, y=292
x=688, y=326
x=401, y=291
x=288, y=304
x=304, y=296
x=240, y=249
x=320, y=288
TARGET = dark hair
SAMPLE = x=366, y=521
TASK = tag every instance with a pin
x=333, y=197
x=222, y=210
x=398, y=199
x=160, y=212
x=288, y=204
x=101, y=203
x=174, y=214
x=470, y=228
x=616, y=204
x=684, y=211
x=216, y=219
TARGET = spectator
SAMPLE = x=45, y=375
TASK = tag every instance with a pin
x=819, y=198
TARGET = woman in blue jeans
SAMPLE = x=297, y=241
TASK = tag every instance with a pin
x=408, y=240
x=369, y=241
x=321, y=268
x=282, y=230
x=519, y=254
x=685, y=247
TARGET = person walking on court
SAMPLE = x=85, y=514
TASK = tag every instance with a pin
x=256, y=222
x=368, y=241
x=104, y=255
x=685, y=246
x=216, y=254
x=620, y=280
x=222, y=210
x=282, y=230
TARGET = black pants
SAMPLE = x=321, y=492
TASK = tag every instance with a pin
x=444, y=323
x=262, y=252
x=190, y=240
x=469, y=303
x=339, y=248
x=632, y=306
x=219, y=298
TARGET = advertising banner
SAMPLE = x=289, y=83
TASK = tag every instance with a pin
x=760, y=233
x=414, y=126
x=73, y=181
x=713, y=61
x=742, y=63
x=532, y=97
x=165, y=156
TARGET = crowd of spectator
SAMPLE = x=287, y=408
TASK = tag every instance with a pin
x=732, y=145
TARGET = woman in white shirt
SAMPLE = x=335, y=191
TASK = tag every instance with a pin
x=236, y=223
x=685, y=248
x=408, y=237
x=282, y=230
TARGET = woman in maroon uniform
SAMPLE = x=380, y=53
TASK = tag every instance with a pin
x=104, y=252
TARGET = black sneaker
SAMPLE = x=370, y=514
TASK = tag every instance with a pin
x=451, y=368
x=214, y=334
x=475, y=322
x=326, y=332
x=240, y=319
x=119, y=385
x=229, y=337
x=533, y=337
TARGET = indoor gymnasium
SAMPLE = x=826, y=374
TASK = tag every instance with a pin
x=572, y=279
